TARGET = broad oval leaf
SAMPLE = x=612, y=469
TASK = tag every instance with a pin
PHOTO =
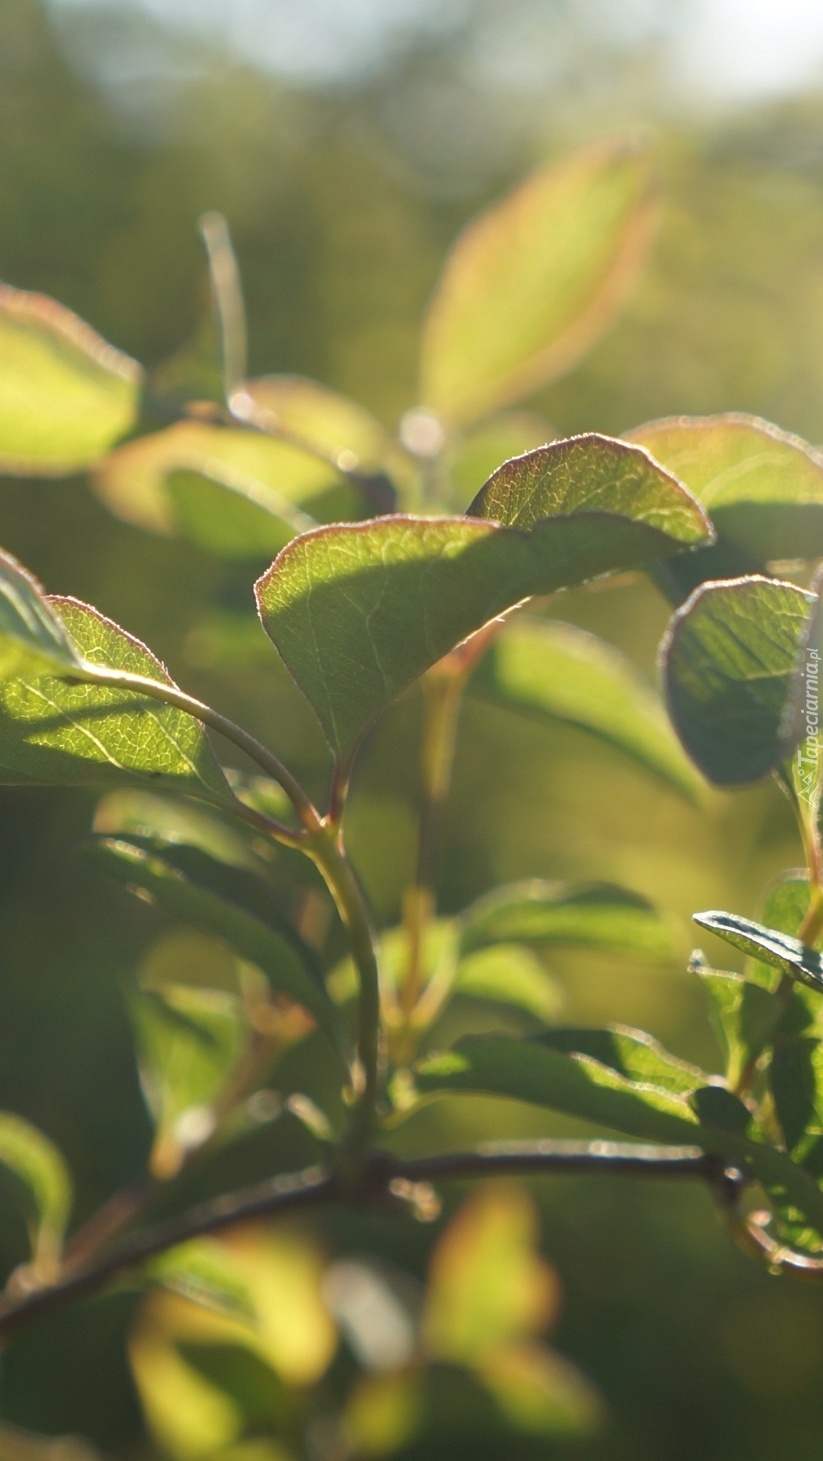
x=133, y=481
x=32, y=637
x=556, y=671
x=729, y=661
x=596, y=915
x=359, y=611
x=65, y=395
x=38, y=1165
x=769, y=946
x=762, y=488
x=186, y=888
x=532, y=283
x=52, y=731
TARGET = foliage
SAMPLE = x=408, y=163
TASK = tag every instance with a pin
x=379, y=586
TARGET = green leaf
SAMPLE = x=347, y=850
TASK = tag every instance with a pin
x=333, y=425
x=35, y=1161
x=509, y=974
x=32, y=638
x=744, y=1016
x=92, y=735
x=762, y=488
x=487, y=1283
x=541, y=1393
x=203, y=1272
x=630, y=1053
x=556, y=671
x=360, y=611
x=183, y=885
x=533, y=282
x=594, y=915
x=232, y=516
x=729, y=662
x=133, y=481
x=189, y=1040
x=579, y=1086
x=65, y=395
x=767, y=945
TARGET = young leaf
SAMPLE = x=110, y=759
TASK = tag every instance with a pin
x=762, y=488
x=38, y=1165
x=360, y=611
x=534, y=281
x=768, y=945
x=509, y=974
x=596, y=915
x=32, y=637
x=184, y=887
x=52, y=731
x=729, y=663
x=65, y=395
x=556, y=671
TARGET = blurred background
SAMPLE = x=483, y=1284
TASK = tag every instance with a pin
x=346, y=141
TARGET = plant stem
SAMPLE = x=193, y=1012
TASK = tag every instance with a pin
x=170, y=694
x=328, y=852
x=317, y=1186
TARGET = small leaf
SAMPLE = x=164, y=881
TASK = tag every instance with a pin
x=133, y=481
x=185, y=886
x=729, y=662
x=534, y=281
x=487, y=1283
x=32, y=637
x=596, y=915
x=65, y=395
x=92, y=735
x=203, y=1272
x=744, y=1017
x=189, y=1040
x=768, y=945
x=509, y=974
x=37, y=1164
x=762, y=488
x=358, y=612
x=556, y=671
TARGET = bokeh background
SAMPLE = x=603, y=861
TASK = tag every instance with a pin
x=346, y=141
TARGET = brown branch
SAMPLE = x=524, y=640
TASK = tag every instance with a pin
x=317, y=1186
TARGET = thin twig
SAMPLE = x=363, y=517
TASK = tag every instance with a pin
x=317, y=1186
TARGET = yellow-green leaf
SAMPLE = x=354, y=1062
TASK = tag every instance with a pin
x=533, y=282
x=65, y=395
x=32, y=637
x=37, y=1164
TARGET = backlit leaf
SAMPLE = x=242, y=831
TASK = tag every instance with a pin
x=93, y=735
x=487, y=1284
x=32, y=638
x=133, y=481
x=556, y=671
x=472, y=457
x=729, y=662
x=762, y=488
x=232, y=517
x=37, y=1164
x=331, y=423
x=744, y=1015
x=630, y=1053
x=360, y=611
x=531, y=283
x=189, y=1040
x=595, y=915
x=65, y=395
x=187, y=887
